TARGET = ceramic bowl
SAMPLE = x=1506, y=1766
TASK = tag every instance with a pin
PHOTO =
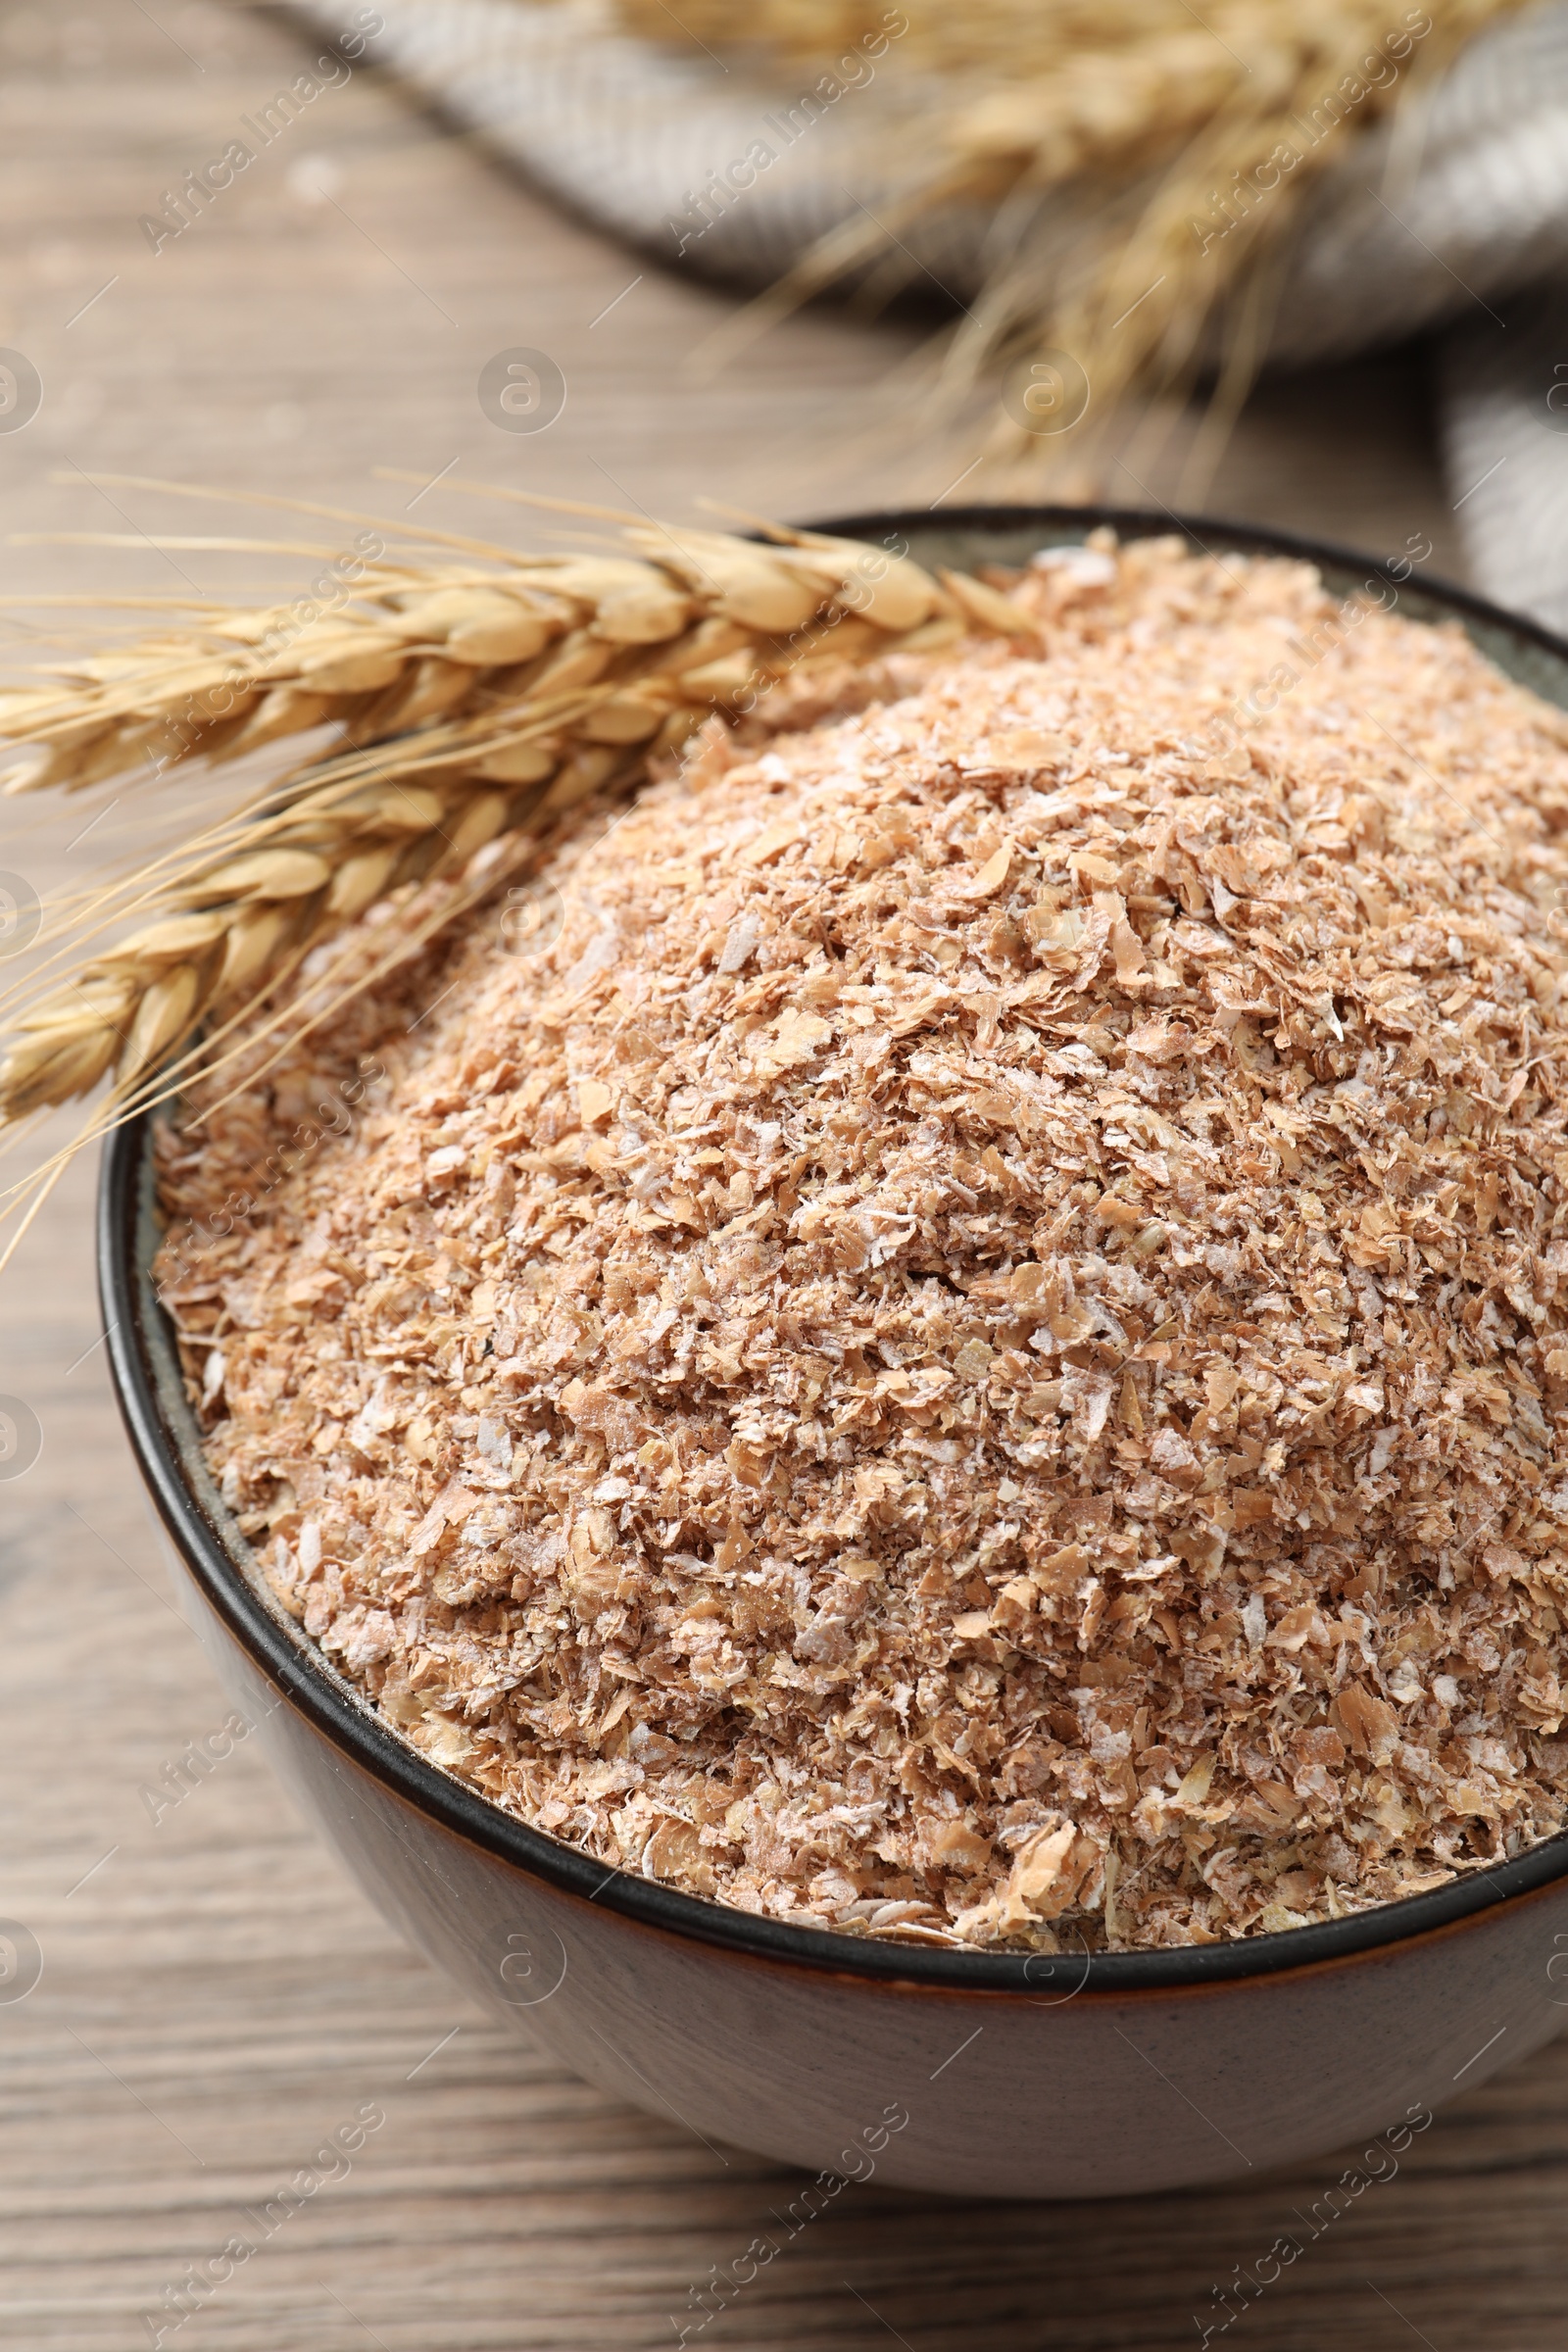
x=968, y=2073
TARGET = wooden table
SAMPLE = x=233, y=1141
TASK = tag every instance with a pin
x=215, y=1997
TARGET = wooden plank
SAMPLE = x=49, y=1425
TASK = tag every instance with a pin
x=216, y=1998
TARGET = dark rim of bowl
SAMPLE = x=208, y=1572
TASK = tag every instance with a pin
x=164, y=1437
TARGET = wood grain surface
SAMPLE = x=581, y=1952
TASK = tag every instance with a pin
x=214, y=1998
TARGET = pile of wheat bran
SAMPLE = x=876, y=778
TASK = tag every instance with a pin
x=974, y=1351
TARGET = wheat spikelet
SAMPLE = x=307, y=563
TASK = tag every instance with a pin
x=475, y=704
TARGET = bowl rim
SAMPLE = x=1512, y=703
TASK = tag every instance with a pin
x=162, y=1431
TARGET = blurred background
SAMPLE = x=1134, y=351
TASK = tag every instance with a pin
x=356, y=256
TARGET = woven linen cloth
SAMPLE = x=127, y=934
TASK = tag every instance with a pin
x=1449, y=221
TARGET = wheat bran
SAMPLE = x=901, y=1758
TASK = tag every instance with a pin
x=975, y=1350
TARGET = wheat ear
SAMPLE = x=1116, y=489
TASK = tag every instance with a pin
x=1176, y=144
x=474, y=703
